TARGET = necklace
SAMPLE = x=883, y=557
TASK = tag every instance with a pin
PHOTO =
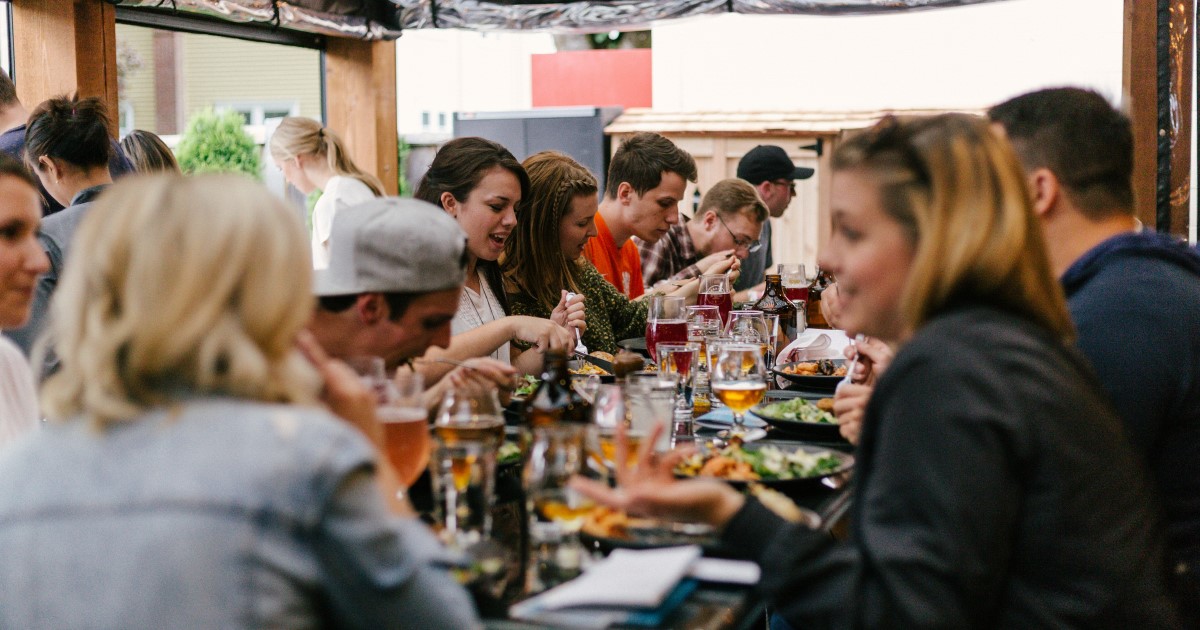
x=483, y=292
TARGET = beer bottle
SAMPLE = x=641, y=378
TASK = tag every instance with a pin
x=555, y=400
x=775, y=302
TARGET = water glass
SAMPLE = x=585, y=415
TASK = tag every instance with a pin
x=651, y=400
x=372, y=372
x=681, y=359
x=703, y=322
x=586, y=385
x=773, y=329
x=747, y=326
x=608, y=413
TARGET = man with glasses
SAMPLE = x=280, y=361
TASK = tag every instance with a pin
x=772, y=173
x=724, y=231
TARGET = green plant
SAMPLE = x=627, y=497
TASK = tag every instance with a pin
x=216, y=142
x=403, y=149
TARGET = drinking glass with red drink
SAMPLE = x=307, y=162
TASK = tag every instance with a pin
x=795, y=282
x=716, y=290
x=665, y=323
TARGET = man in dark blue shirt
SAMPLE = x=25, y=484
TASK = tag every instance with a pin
x=1134, y=296
x=12, y=141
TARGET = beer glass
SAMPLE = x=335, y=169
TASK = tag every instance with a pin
x=468, y=432
x=738, y=379
x=405, y=425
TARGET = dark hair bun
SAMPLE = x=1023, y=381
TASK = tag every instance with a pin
x=72, y=129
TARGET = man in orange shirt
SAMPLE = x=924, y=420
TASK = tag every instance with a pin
x=646, y=179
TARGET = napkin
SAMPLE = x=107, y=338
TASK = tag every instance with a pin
x=815, y=343
x=634, y=580
x=723, y=419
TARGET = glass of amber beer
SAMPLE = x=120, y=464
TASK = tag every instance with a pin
x=405, y=426
x=468, y=432
x=738, y=379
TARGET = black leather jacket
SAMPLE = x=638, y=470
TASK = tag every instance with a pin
x=994, y=490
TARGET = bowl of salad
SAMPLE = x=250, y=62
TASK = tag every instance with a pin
x=782, y=467
x=801, y=418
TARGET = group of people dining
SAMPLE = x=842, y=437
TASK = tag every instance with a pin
x=211, y=461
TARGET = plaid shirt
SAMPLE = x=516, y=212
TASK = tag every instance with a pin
x=672, y=257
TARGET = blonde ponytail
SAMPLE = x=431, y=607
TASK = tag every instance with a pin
x=305, y=136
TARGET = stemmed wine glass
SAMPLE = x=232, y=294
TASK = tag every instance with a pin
x=738, y=379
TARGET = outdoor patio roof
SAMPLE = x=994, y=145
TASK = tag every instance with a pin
x=386, y=19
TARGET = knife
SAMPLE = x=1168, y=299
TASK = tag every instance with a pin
x=600, y=363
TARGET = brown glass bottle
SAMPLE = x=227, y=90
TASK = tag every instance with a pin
x=816, y=319
x=775, y=302
x=555, y=400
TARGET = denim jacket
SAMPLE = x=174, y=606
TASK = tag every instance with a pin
x=218, y=513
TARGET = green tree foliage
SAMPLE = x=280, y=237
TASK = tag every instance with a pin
x=403, y=149
x=217, y=143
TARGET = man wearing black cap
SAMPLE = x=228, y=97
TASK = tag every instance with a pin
x=769, y=169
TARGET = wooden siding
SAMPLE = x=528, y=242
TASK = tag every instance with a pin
x=219, y=70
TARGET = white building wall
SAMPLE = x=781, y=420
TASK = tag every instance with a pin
x=968, y=57
x=439, y=72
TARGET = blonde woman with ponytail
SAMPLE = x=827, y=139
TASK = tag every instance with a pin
x=312, y=157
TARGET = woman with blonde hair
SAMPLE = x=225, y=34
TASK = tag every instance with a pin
x=188, y=461
x=148, y=153
x=312, y=157
x=993, y=486
x=543, y=259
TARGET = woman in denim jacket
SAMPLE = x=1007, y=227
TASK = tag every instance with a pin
x=194, y=480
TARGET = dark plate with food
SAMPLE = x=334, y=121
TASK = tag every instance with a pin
x=605, y=529
x=823, y=375
x=637, y=344
x=801, y=418
x=783, y=467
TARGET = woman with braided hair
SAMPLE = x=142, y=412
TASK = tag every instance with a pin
x=543, y=258
x=312, y=157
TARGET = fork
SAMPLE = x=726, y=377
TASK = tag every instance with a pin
x=579, y=347
x=853, y=362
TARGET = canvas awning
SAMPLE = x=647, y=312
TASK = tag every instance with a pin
x=805, y=124
x=385, y=19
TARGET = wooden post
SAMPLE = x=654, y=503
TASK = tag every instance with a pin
x=65, y=46
x=1181, y=66
x=1158, y=67
x=360, y=100
x=1141, y=88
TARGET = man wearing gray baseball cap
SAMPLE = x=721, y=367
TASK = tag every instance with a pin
x=395, y=273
